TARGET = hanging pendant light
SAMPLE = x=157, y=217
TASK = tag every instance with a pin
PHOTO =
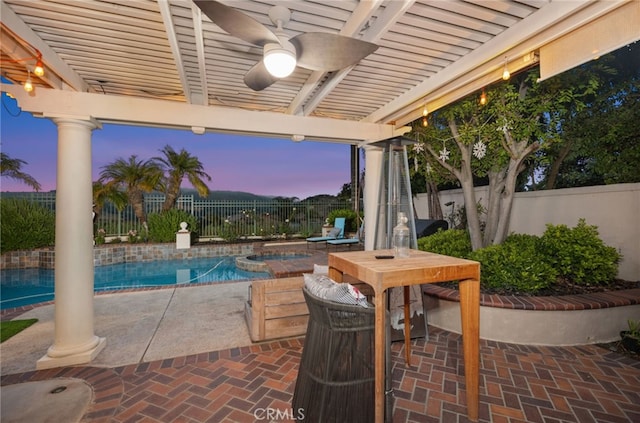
x=39, y=69
x=483, y=98
x=28, y=84
x=505, y=72
x=425, y=112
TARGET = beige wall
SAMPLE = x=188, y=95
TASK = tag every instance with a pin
x=614, y=209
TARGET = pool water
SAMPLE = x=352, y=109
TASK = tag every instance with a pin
x=22, y=287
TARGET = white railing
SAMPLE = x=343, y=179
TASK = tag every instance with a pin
x=221, y=219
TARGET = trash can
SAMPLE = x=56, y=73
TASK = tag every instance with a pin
x=336, y=377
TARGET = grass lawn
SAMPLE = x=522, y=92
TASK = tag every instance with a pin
x=11, y=327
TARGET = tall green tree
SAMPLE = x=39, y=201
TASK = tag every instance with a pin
x=601, y=140
x=493, y=141
x=134, y=177
x=11, y=168
x=177, y=166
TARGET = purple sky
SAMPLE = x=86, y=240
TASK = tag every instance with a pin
x=265, y=166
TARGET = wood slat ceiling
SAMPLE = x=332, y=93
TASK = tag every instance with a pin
x=167, y=50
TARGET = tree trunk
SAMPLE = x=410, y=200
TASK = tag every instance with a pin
x=496, y=187
x=172, y=193
x=471, y=210
x=433, y=201
x=169, y=201
x=554, y=170
x=506, y=203
x=136, y=199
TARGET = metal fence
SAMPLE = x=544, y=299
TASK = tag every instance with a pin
x=216, y=219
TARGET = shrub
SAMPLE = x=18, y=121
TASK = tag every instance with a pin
x=351, y=223
x=515, y=266
x=453, y=242
x=579, y=254
x=25, y=225
x=163, y=226
x=230, y=231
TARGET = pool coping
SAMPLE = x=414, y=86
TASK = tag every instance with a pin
x=277, y=269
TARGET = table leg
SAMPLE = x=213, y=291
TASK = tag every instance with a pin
x=470, y=318
x=381, y=307
x=407, y=325
x=335, y=274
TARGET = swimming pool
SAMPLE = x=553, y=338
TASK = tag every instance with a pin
x=22, y=287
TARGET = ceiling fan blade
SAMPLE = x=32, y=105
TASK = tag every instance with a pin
x=237, y=23
x=258, y=78
x=321, y=51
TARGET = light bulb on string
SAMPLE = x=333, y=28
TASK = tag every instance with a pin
x=425, y=112
x=505, y=72
x=483, y=98
x=28, y=84
x=39, y=69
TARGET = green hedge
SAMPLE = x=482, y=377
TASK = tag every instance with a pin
x=452, y=242
x=25, y=225
x=163, y=226
x=527, y=264
x=579, y=254
x=516, y=266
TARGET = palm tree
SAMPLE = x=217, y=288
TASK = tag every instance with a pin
x=103, y=193
x=11, y=168
x=179, y=165
x=134, y=177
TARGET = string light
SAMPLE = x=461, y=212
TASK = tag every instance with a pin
x=39, y=69
x=425, y=112
x=483, y=98
x=28, y=85
x=505, y=73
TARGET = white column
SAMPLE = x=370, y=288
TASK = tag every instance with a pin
x=74, y=340
x=373, y=168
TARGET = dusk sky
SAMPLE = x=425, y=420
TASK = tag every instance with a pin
x=265, y=166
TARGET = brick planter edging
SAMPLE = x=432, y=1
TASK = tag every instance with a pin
x=553, y=321
x=566, y=302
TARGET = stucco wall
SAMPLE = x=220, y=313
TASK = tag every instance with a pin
x=614, y=209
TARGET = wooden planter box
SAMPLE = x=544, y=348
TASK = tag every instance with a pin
x=276, y=309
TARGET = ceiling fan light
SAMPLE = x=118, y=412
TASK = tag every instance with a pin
x=279, y=61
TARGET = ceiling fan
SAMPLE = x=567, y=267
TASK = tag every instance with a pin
x=317, y=51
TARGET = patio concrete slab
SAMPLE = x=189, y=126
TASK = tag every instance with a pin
x=144, y=326
x=59, y=400
x=201, y=319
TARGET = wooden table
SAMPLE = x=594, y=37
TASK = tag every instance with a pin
x=419, y=268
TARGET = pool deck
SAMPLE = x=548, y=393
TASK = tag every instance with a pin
x=184, y=355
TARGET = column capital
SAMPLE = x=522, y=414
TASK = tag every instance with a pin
x=60, y=119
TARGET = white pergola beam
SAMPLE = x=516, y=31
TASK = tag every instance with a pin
x=170, y=114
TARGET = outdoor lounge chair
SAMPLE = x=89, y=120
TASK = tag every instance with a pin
x=336, y=233
x=349, y=241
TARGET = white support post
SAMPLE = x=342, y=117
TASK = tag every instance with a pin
x=74, y=339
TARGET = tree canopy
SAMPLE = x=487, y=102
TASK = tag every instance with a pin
x=11, y=168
